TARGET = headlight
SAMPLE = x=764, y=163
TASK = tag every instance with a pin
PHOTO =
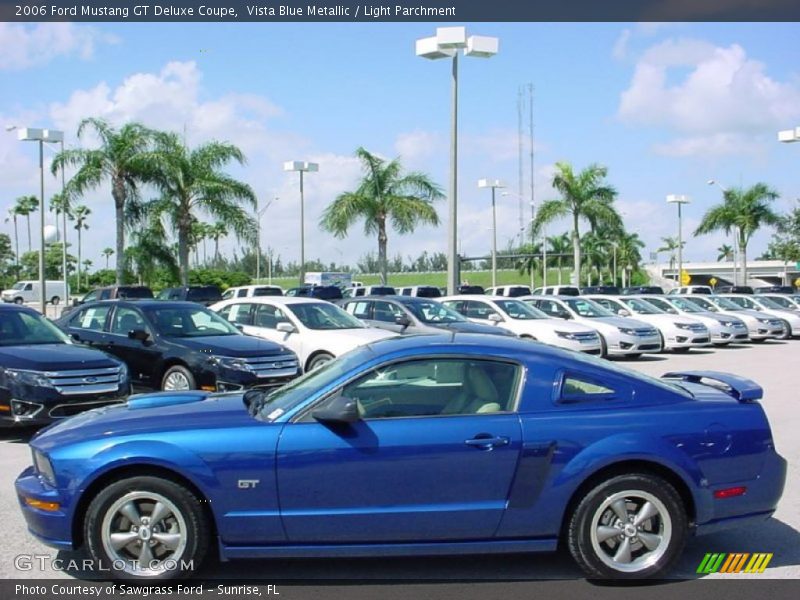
x=764, y=321
x=229, y=362
x=682, y=325
x=627, y=330
x=567, y=335
x=33, y=378
x=44, y=467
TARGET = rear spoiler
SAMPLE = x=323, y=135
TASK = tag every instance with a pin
x=744, y=390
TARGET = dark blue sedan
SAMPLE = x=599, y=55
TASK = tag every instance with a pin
x=420, y=445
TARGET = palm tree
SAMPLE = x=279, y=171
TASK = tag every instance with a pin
x=217, y=232
x=192, y=180
x=149, y=250
x=584, y=196
x=25, y=207
x=107, y=252
x=670, y=244
x=595, y=248
x=530, y=263
x=13, y=214
x=123, y=158
x=384, y=194
x=80, y=214
x=725, y=252
x=744, y=211
x=629, y=254
x=559, y=245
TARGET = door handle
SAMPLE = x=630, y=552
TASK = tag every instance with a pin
x=487, y=443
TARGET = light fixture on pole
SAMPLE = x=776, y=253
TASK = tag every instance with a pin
x=789, y=136
x=301, y=167
x=680, y=200
x=259, y=214
x=28, y=134
x=446, y=44
x=735, y=237
x=494, y=184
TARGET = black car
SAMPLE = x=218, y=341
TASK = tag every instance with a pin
x=44, y=377
x=775, y=289
x=180, y=345
x=330, y=293
x=602, y=290
x=471, y=289
x=650, y=290
x=202, y=294
x=733, y=289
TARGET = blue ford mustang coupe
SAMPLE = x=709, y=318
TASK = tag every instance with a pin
x=420, y=445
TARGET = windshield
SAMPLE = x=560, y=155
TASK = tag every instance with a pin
x=190, y=321
x=642, y=307
x=725, y=304
x=18, y=328
x=768, y=303
x=520, y=311
x=321, y=315
x=289, y=396
x=267, y=291
x=705, y=304
x=784, y=303
x=686, y=305
x=18, y=286
x=586, y=308
x=433, y=312
x=134, y=292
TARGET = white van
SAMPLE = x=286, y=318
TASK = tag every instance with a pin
x=28, y=291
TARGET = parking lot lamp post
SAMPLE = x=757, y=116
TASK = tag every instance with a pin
x=446, y=44
x=493, y=184
x=302, y=167
x=614, y=245
x=679, y=199
x=28, y=134
x=259, y=214
x=789, y=136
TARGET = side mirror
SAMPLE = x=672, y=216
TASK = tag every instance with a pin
x=623, y=312
x=495, y=318
x=402, y=320
x=339, y=411
x=565, y=315
x=285, y=328
x=138, y=334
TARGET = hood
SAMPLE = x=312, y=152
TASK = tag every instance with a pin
x=54, y=357
x=229, y=345
x=468, y=327
x=567, y=326
x=159, y=413
x=627, y=322
x=667, y=319
x=352, y=337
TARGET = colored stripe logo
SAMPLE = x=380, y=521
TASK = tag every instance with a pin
x=735, y=562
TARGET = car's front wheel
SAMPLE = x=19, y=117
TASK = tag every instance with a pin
x=628, y=527
x=146, y=528
x=178, y=378
x=319, y=360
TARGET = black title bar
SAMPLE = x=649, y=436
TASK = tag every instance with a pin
x=399, y=10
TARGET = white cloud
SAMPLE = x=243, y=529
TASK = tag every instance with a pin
x=416, y=146
x=709, y=95
x=23, y=46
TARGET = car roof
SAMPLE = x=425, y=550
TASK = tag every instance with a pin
x=277, y=300
x=11, y=307
x=143, y=303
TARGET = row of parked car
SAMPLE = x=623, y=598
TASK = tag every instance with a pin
x=120, y=336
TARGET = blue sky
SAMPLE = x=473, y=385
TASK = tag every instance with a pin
x=665, y=107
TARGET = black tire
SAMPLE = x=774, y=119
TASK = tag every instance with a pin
x=787, y=331
x=104, y=516
x=603, y=347
x=55, y=300
x=18, y=300
x=178, y=371
x=594, y=513
x=318, y=360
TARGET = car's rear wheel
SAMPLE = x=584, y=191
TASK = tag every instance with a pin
x=18, y=301
x=628, y=527
x=603, y=347
x=178, y=378
x=146, y=528
x=319, y=360
x=787, y=331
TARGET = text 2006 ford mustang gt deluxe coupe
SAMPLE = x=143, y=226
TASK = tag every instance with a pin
x=416, y=445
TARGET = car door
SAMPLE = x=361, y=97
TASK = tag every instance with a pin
x=480, y=312
x=362, y=310
x=385, y=314
x=141, y=356
x=265, y=321
x=432, y=457
x=88, y=324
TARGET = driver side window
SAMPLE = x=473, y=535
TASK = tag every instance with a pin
x=436, y=387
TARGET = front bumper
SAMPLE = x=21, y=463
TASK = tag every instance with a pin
x=46, y=405
x=53, y=528
x=624, y=345
x=589, y=346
